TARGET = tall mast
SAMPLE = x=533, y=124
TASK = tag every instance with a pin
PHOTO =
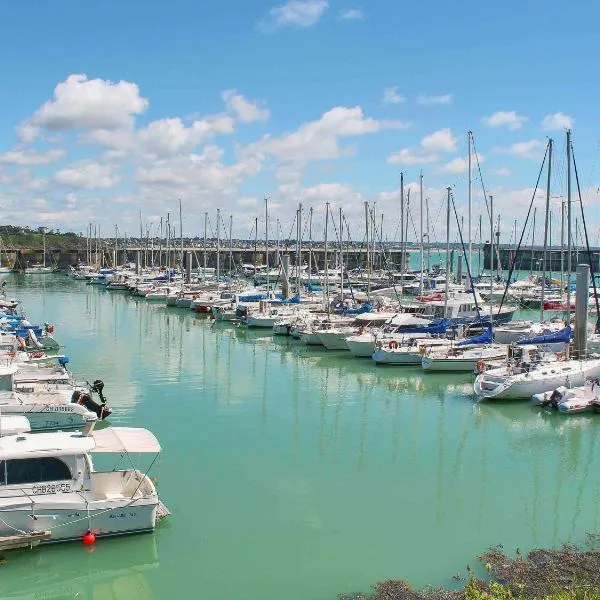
x=230, y=244
x=169, y=244
x=401, y=227
x=267, y=241
x=341, y=258
x=491, y=258
x=218, y=244
x=116, y=248
x=447, y=253
x=298, y=246
x=421, y=234
x=569, y=223
x=310, y=216
x=546, y=223
x=470, y=257
x=326, y=265
x=181, y=236
x=204, y=246
x=427, y=233
x=255, y=243
x=368, y=250
x=532, y=243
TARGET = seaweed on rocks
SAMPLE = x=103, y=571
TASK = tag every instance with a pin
x=568, y=573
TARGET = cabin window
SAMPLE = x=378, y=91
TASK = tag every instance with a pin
x=35, y=470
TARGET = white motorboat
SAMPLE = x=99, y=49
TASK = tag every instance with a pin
x=48, y=398
x=526, y=377
x=50, y=490
x=406, y=352
x=461, y=358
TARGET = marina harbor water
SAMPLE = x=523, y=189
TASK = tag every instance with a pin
x=295, y=471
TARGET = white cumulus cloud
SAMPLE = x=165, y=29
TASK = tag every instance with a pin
x=441, y=140
x=392, y=96
x=320, y=139
x=295, y=13
x=557, y=121
x=31, y=157
x=505, y=118
x=86, y=175
x=245, y=110
x=82, y=103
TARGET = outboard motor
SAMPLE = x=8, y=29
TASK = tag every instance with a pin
x=98, y=387
x=101, y=410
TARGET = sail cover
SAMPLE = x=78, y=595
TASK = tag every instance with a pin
x=483, y=338
x=564, y=335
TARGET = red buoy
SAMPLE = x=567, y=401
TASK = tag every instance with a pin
x=89, y=538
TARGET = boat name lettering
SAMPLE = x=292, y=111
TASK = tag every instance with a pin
x=55, y=408
x=51, y=488
x=122, y=515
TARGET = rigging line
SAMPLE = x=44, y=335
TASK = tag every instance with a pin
x=462, y=243
x=587, y=243
x=385, y=261
x=480, y=174
x=512, y=263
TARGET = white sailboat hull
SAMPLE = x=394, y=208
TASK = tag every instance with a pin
x=383, y=356
x=333, y=340
x=498, y=384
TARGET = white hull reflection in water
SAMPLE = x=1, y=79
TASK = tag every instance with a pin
x=291, y=447
x=119, y=572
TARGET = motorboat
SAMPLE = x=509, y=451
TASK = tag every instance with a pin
x=51, y=492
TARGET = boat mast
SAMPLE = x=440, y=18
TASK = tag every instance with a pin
x=447, y=254
x=116, y=249
x=470, y=178
x=218, y=243
x=230, y=244
x=491, y=258
x=310, y=216
x=546, y=223
x=326, y=265
x=299, y=242
x=181, y=236
x=402, y=259
x=569, y=224
x=532, y=243
x=368, y=250
x=421, y=233
x=427, y=234
x=204, y=249
x=44, y=246
x=255, y=244
x=267, y=241
x=341, y=258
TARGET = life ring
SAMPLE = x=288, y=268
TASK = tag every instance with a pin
x=393, y=345
x=422, y=350
x=480, y=366
x=49, y=328
x=38, y=355
x=21, y=342
x=560, y=356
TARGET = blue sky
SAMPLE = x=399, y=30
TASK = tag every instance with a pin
x=114, y=107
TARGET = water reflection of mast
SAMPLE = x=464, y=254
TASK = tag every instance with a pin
x=584, y=478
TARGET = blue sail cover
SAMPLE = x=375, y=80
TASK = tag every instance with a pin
x=364, y=308
x=439, y=327
x=295, y=299
x=564, y=335
x=484, y=338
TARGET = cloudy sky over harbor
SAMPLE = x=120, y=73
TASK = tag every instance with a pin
x=111, y=108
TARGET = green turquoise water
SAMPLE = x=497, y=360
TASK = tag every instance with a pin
x=298, y=473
